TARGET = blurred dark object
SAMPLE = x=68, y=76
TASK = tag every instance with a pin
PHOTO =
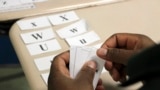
x=5, y=27
x=7, y=53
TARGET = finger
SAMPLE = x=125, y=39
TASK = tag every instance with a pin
x=100, y=82
x=118, y=72
x=108, y=65
x=100, y=85
x=115, y=74
x=59, y=64
x=116, y=55
x=121, y=70
x=86, y=74
x=59, y=71
x=118, y=76
x=122, y=40
x=128, y=41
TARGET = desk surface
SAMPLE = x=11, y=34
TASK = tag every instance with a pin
x=132, y=16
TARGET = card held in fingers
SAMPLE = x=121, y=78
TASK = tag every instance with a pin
x=79, y=56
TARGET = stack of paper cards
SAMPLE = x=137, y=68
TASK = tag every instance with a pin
x=79, y=56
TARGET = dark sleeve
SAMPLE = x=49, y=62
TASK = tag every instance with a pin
x=145, y=66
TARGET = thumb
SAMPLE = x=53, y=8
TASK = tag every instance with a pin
x=116, y=55
x=86, y=74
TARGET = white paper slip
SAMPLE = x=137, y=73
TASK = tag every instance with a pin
x=81, y=56
x=98, y=46
x=44, y=63
x=32, y=1
x=100, y=64
x=9, y=3
x=75, y=60
x=73, y=51
x=45, y=77
x=38, y=36
x=73, y=29
x=34, y=23
x=17, y=7
x=5, y=3
x=83, y=40
x=63, y=18
x=43, y=47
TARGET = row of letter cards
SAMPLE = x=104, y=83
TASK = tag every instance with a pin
x=53, y=33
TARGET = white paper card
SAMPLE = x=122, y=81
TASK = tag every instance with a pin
x=45, y=77
x=38, y=36
x=8, y=3
x=73, y=51
x=100, y=64
x=63, y=18
x=17, y=7
x=11, y=3
x=32, y=1
x=82, y=55
x=83, y=40
x=73, y=29
x=34, y=23
x=98, y=46
x=44, y=63
x=43, y=47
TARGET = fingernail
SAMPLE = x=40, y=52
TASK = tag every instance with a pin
x=91, y=64
x=102, y=51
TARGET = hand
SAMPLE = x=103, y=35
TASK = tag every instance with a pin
x=59, y=78
x=118, y=49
